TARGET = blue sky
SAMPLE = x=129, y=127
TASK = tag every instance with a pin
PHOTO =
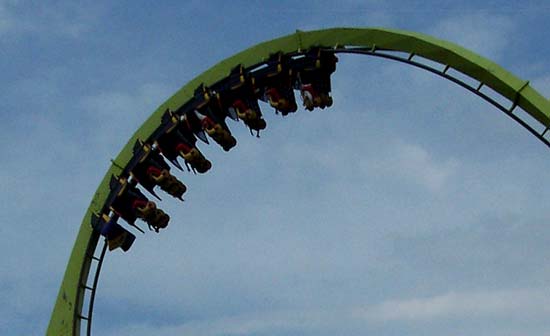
x=410, y=207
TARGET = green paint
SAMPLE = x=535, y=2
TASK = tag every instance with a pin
x=63, y=321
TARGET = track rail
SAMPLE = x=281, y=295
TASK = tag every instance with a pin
x=509, y=111
x=89, y=288
x=401, y=46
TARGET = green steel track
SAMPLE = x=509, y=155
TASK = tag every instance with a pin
x=68, y=317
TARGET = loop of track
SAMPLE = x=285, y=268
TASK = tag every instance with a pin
x=79, y=287
x=363, y=51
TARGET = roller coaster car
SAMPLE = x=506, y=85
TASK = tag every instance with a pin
x=180, y=141
x=282, y=99
x=130, y=204
x=238, y=96
x=211, y=115
x=274, y=83
x=114, y=233
x=192, y=123
x=313, y=72
x=249, y=113
x=151, y=170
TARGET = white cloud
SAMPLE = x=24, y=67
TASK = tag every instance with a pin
x=503, y=305
x=414, y=164
x=462, y=305
x=248, y=324
x=115, y=115
x=144, y=97
x=485, y=33
x=417, y=164
x=6, y=20
x=62, y=19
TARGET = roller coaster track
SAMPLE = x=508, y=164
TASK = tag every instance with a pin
x=73, y=310
x=90, y=288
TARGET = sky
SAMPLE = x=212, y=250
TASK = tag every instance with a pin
x=411, y=207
